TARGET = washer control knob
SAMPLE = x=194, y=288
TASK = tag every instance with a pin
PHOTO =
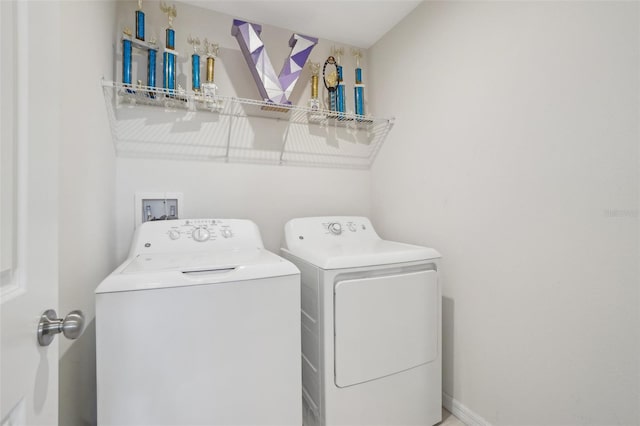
x=201, y=234
x=352, y=227
x=226, y=232
x=174, y=235
x=335, y=228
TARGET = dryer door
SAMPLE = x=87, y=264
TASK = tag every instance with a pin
x=384, y=325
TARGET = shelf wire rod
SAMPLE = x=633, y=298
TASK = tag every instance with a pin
x=231, y=120
x=284, y=142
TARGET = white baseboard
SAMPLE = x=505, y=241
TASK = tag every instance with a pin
x=465, y=415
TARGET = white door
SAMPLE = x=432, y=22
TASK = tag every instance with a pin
x=29, y=111
x=385, y=325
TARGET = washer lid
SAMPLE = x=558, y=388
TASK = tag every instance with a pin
x=347, y=242
x=148, y=271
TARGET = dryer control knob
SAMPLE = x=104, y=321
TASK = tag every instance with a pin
x=226, y=233
x=352, y=227
x=201, y=234
x=335, y=228
x=174, y=235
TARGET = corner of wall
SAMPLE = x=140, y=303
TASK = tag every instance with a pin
x=464, y=414
x=87, y=194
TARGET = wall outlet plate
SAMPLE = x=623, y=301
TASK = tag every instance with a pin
x=158, y=206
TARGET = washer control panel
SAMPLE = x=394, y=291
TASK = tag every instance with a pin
x=195, y=234
x=200, y=230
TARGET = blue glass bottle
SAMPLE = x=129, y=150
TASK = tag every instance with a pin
x=140, y=25
x=195, y=72
x=126, y=61
x=171, y=38
x=340, y=91
x=169, y=59
x=151, y=68
x=359, y=92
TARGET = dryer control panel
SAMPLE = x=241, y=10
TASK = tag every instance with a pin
x=329, y=231
x=338, y=226
x=338, y=242
x=167, y=236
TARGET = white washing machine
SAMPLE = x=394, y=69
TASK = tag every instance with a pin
x=199, y=326
x=371, y=325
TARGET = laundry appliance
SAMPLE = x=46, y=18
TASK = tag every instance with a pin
x=371, y=325
x=199, y=326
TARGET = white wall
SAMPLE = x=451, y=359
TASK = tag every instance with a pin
x=87, y=194
x=516, y=155
x=268, y=195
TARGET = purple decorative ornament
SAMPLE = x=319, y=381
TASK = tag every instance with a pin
x=271, y=87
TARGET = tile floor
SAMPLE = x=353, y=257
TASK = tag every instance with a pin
x=449, y=419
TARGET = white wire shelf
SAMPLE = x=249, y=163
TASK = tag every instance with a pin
x=154, y=123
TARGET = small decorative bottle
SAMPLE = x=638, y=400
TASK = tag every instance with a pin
x=195, y=64
x=209, y=88
x=126, y=56
x=169, y=56
x=151, y=67
x=359, y=86
x=340, y=91
x=140, y=22
x=314, y=102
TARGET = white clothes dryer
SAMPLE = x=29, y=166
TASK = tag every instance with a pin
x=199, y=326
x=371, y=325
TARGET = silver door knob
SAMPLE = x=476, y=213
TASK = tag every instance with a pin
x=71, y=326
